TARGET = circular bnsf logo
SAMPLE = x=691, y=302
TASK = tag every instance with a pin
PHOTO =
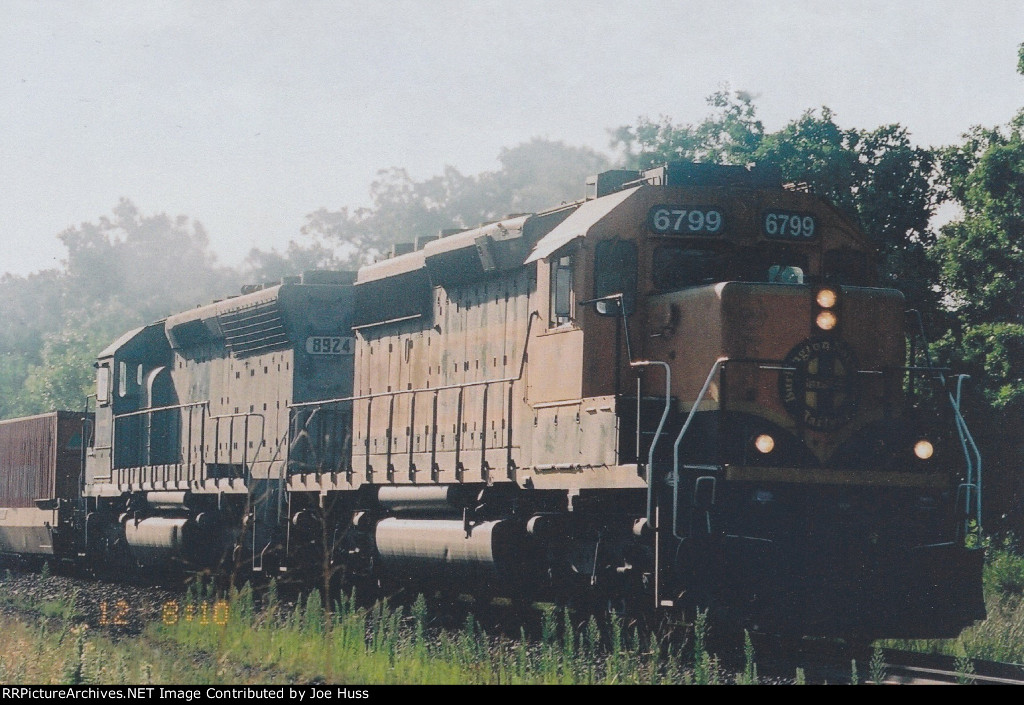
x=819, y=386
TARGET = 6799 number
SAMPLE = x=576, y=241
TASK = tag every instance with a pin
x=685, y=220
x=786, y=225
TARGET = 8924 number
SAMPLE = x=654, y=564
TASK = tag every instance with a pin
x=330, y=345
x=685, y=220
x=786, y=225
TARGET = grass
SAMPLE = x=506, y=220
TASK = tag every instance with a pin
x=385, y=644
x=211, y=639
x=42, y=653
x=207, y=640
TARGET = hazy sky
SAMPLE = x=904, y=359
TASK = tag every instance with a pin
x=248, y=115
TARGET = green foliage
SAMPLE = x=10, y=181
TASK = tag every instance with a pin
x=705, y=665
x=729, y=136
x=384, y=644
x=265, y=266
x=1004, y=568
x=314, y=617
x=964, y=667
x=980, y=256
x=981, y=259
x=876, y=666
x=749, y=675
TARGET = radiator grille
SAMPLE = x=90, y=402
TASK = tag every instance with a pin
x=254, y=329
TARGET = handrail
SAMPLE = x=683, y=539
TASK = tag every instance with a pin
x=679, y=439
x=205, y=404
x=658, y=432
x=463, y=385
x=969, y=446
x=392, y=394
x=972, y=454
x=156, y=409
x=967, y=443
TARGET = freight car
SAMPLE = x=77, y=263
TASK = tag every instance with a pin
x=40, y=479
x=684, y=390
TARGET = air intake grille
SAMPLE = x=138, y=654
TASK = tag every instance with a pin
x=254, y=329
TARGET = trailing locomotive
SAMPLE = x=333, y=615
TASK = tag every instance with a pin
x=684, y=390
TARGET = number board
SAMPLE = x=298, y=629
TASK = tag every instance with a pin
x=788, y=225
x=330, y=345
x=685, y=220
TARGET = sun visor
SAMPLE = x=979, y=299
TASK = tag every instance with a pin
x=577, y=224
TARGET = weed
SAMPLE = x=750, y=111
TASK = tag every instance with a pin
x=876, y=666
x=749, y=675
x=964, y=668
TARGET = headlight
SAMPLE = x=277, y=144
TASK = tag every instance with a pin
x=826, y=298
x=764, y=443
x=923, y=449
x=826, y=320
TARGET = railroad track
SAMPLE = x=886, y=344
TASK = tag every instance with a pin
x=829, y=663
x=907, y=667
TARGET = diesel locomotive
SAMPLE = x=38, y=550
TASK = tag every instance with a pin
x=686, y=389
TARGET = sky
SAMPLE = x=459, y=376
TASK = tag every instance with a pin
x=247, y=116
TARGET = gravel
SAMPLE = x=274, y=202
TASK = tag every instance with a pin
x=121, y=609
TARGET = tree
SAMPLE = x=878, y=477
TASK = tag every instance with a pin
x=263, y=266
x=533, y=175
x=731, y=135
x=124, y=271
x=981, y=256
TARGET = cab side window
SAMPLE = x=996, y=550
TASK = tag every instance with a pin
x=615, y=263
x=103, y=385
x=562, y=294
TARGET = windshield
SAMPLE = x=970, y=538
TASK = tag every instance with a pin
x=679, y=266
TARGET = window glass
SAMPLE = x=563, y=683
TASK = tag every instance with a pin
x=561, y=291
x=615, y=273
x=103, y=385
x=677, y=267
x=681, y=266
